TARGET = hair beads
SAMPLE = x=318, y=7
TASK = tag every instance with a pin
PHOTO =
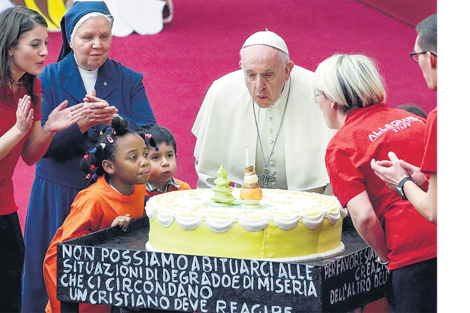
x=91, y=164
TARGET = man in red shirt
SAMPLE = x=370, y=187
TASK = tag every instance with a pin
x=408, y=180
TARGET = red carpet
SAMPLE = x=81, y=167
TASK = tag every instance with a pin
x=202, y=44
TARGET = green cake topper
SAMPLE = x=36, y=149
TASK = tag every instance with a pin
x=222, y=190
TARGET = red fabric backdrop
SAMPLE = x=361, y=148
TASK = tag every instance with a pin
x=408, y=11
x=202, y=43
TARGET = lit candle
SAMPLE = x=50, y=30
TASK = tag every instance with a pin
x=247, y=161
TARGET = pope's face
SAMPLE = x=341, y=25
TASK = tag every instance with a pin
x=91, y=43
x=265, y=74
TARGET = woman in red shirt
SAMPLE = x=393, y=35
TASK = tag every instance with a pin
x=350, y=93
x=23, y=41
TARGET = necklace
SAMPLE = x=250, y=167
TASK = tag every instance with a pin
x=265, y=178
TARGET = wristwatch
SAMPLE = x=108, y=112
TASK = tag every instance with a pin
x=400, y=190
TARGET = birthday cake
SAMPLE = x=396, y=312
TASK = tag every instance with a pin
x=284, y=225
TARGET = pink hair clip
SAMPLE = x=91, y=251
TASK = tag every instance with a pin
x=110, y=139
x=86, y=156
x=148, y=136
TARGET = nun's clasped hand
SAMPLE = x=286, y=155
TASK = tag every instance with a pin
x=98, y=111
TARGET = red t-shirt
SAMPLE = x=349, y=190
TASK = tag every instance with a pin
x=93, y=209
x=429, y=163
x=371, y=133
x=8, y=106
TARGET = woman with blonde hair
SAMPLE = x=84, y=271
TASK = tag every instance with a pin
x=350, y=92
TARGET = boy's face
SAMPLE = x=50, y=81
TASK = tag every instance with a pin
x=163, y=164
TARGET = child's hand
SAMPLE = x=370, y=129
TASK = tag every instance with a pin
x=122, y=221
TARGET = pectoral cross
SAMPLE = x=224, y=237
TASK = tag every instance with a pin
x=265, y=178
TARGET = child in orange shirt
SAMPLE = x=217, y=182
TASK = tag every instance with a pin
x=117, y=170
x=163, y=161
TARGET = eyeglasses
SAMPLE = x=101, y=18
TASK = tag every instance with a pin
x=415, y=55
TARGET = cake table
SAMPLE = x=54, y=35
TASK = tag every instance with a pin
x=112, y=267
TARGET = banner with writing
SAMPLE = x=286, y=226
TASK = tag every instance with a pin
x=134, y=278
x=353, y=281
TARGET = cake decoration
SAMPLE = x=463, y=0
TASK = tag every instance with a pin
x=222, y=190
x=251, y=193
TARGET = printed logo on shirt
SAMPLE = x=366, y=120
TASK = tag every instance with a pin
x=396, y=126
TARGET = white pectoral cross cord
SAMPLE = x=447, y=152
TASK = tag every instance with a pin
x=266, y=178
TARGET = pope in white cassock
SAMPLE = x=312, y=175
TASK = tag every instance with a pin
x=266, y=108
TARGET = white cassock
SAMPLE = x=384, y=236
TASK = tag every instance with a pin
x=226, y=125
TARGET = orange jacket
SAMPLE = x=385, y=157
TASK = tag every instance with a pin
x=94, y=208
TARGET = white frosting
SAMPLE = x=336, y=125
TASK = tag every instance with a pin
x=335, y=216
x=150, y=210
x=165, y=218
x=285, y=208
x=188, y=222
x=286, y=223
x=219, y=225
x=313, y=222
x=253, y=224
x=250, y=179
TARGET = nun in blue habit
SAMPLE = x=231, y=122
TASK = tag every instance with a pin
x=83, y=70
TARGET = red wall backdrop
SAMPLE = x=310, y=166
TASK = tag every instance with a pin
x=408, y=11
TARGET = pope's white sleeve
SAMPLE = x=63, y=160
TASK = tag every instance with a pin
x=204, y=180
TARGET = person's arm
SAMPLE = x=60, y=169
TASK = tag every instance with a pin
x=424, y=201
x=38, y=141
x=367, y=224
x=75, y=225
x=142, y=112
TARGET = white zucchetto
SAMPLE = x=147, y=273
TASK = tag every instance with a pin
x=267, y=38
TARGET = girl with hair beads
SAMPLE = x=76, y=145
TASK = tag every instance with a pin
x=117, y=169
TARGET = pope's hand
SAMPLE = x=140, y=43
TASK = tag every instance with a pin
x=24, y=114
x=62, y=118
